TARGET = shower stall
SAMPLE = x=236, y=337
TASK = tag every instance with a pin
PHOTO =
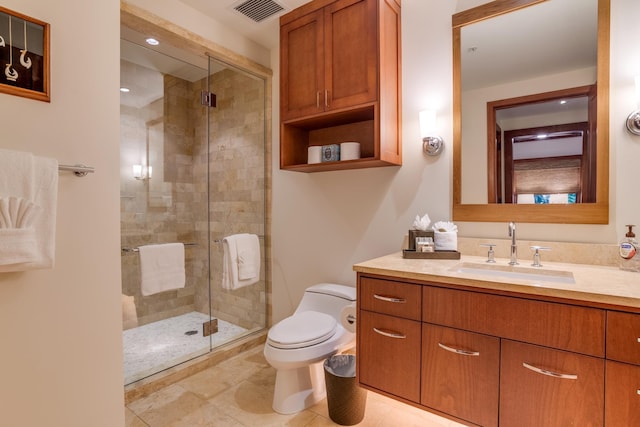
x=193, y=170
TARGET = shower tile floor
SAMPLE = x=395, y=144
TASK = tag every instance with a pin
x=160, y=345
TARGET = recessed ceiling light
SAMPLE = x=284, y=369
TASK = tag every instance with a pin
x=563, y=102
x=542, y=136
x=153, y=42
x=124, y=89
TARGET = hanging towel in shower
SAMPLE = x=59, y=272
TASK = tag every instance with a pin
x=241, y=260
x=161, y=268
x=28, y=205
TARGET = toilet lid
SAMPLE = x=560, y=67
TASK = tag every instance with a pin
x=302, y=330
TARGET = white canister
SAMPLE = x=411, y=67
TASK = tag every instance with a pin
x=314, y=154
x=349, y=150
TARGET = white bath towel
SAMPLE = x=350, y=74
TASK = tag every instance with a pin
x=241, y=260
x=28, y=206
x=161, y=268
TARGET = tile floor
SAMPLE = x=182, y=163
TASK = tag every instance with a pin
x=238, y=393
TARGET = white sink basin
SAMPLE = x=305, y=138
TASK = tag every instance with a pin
x=516, y=272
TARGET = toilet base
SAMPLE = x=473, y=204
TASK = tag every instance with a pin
x=298, y=389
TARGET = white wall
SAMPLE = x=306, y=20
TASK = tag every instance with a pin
x=323, y=223
x=60, y=328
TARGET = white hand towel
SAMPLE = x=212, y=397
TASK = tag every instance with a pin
x=241, y=261
x=28, y=205
x=161, y=268
x=248, y=247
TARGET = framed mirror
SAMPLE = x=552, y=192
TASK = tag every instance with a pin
x=514, y=61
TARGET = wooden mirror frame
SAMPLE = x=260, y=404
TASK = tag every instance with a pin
x=580, y=213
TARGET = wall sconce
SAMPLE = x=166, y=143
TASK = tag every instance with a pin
x=432, y=144
x=142, y=172
x=633, y=121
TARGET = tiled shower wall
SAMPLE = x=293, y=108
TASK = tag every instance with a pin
x=172, y=205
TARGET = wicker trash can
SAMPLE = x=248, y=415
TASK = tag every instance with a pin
x=345, y=399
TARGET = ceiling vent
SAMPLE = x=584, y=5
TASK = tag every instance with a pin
x=258, y=10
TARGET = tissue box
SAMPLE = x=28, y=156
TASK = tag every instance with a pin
x=331, y=153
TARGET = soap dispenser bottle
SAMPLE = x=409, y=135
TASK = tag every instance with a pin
x=628, y=251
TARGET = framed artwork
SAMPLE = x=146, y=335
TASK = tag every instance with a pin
x=24, y=56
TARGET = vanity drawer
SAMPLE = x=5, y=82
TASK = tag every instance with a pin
x=561, y=326
x=389, y=354
x=388, y=297
x=623, y=337
x=622, y=399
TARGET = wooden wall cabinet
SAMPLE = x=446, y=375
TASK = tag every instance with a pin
x=340, y=81
x=497, y=359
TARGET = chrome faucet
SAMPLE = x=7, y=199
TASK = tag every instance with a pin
x=514, y=246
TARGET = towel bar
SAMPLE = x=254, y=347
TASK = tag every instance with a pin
x=138, y=249
x=78, y=170
x=220, y=240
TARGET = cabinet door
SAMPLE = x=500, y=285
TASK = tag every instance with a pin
x=389, y=354
x=351, y=45
x=546, y=387
x=622, y=401
x=623, y=337
x=302, y=66
x=460, y=374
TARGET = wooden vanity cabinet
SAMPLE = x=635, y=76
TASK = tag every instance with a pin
x=340, y=80
x=486, y=358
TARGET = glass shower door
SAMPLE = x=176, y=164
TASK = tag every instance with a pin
x=193, y=174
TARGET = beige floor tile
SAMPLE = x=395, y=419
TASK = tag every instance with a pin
x=166, y=406
x=239, y=393
x=132, y=420
x=206, y=416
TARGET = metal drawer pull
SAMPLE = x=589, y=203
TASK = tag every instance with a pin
x=390, y=299
x=390, y=334
x=550, y=373
x=458, y=351
x=318, y=100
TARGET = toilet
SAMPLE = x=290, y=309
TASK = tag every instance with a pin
x=298, y=345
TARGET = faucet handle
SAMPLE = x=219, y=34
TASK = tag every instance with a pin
x=490, y=253
x=536, y=255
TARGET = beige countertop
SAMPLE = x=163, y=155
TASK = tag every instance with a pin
x=595, y=284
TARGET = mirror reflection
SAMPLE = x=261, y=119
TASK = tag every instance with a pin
x=516, y=69
x=529, y=55
x=543, y=150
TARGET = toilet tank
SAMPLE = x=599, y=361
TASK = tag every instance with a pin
x=327, y=298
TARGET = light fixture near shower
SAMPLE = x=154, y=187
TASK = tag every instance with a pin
x=142, y=172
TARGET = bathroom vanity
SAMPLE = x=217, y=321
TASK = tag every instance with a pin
x=492, y=344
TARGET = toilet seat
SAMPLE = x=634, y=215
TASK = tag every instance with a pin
x=303, y=329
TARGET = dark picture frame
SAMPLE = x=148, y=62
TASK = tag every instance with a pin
x=24, y=56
